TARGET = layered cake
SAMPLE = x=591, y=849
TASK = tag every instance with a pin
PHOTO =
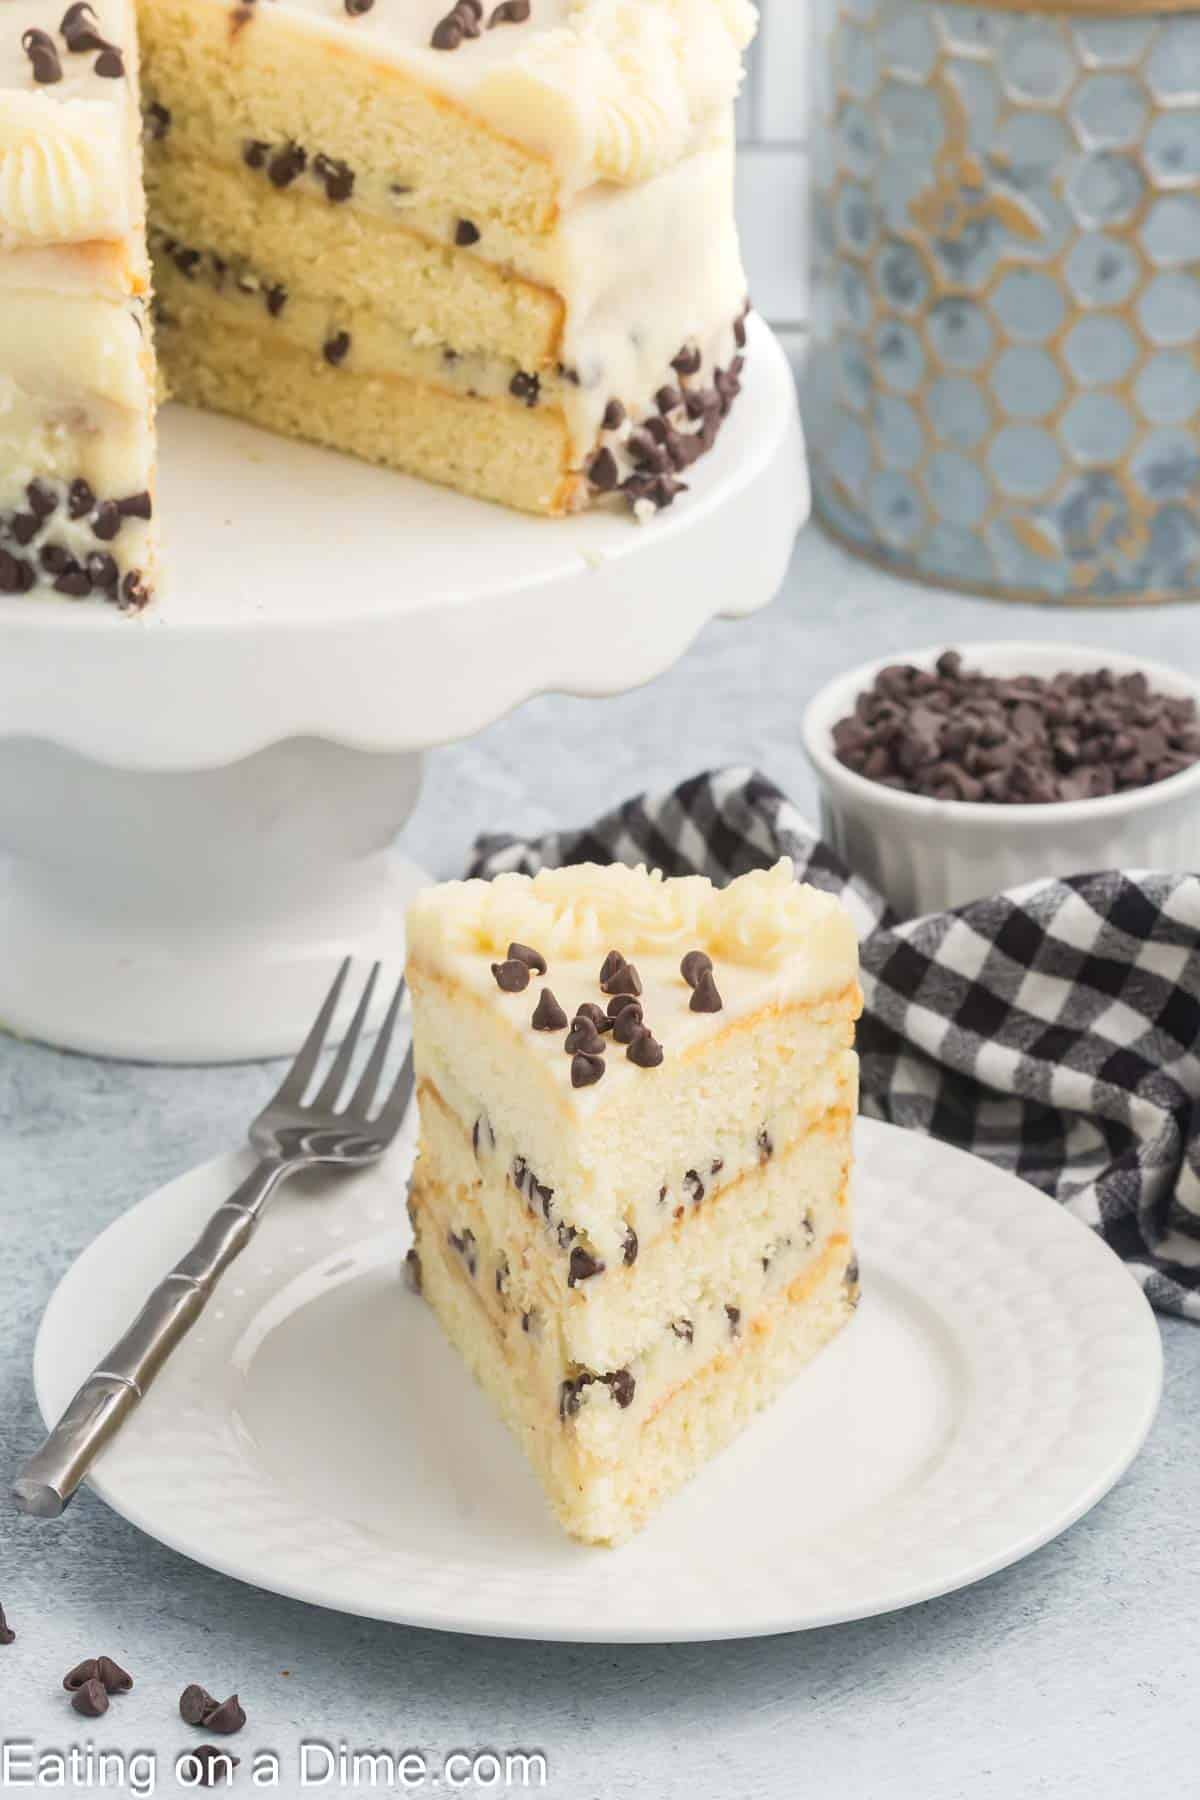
x=491, y=245
x=630, y=1205
x=77, y=382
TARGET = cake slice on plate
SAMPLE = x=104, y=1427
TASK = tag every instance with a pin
x=630, y=1204
x=77, y=381
x=489, y=244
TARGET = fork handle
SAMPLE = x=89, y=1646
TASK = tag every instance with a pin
x=48, y=1481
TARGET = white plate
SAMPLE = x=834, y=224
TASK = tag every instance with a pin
x=316, y=1436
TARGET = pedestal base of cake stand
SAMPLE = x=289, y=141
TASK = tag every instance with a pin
x=198, y=805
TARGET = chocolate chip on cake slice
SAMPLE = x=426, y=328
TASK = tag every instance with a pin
x=509, y=12
x=599, y=1018
x=622, y=1386
x=466, y=233
x=336, y=349
x=623, y=979
x=645, y=1050
x=586, y=1070
x=110, y=64
x=629, y=1245
x=39, y=48
x=548, y=1015
x=694, y=965
x=80, y=28
x=533, y=959
x=583, y=1266
x=705, y=998
x=628, y=1024
x=512, y=976
x=584, y=1037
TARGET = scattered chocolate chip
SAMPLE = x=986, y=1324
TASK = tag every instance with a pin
x=42, y=499
x=287, y=165
x=464, y=1243
x=525, y=387
x=412, y=1270
x=336, y=176
x=80, y=500
x=622, y=1386
x=462, y=21
x=7, y=1634
x=583, y=1037
x=766, y=1146
x=586, y=1070
x=734, y=1315
x=112, y=1676
x=255, y=153
x=589, y=1010
x=276, y=298
x=227, y=1718
x=687, y=362
x=39, y=48
x=629, y=1245
x=608, y=968
x=683, y=1328
x=645, y=1051
x=107, y=521
x=668, y=398
x=134, y=592
x=56, y=560
x=614, y=416
x=208, y=1765
x=81, y=28
x=628, y=1023
x=955, y=734
x=695, y=964
x=110, y=63
x=533, y=959
x=75, y=582
x=509, y=12
x=466, y=234
x=136, y=506
x=548, y=1015
x=622, y=978
x=570, y=1394
x=716, y=1165
x=195, y=1704
x=90, y=1699
x=16, y=575
x=502, y=1275
x=693, y=1187
x=705, y=998
x=81, y=1673
x=25, y=527
x=619, y=1004
x=157, y=121
x=851, y=1271
x=520, y=1169
x=512, y=976
x=543, y=1195
x=356, y=8
x=603, y=472
x=583, y=1266
x=336, y=349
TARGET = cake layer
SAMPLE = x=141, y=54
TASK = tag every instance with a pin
x=606, y=1467
x=711, y=1257
x=499, y=451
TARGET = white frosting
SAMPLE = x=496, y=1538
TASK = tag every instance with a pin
x=69, y=163
x=760, y=920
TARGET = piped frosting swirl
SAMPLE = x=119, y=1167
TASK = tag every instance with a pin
x=62, y=171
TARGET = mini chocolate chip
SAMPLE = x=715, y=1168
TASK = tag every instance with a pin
x=570, y=1394
x=603, y=472
x=624, y=980
x=509, y=12
x=645, y=1051
x=90, y=1699
x=209, y=1764
x=695, y=964
x=336, y=176
x=356, y=8
x=412, y=1270
x=589, y=1010
x=82, y=1672
x=134, y=592
x=56, y=560
x=107, y=521
x=465, y=1244
x=81, y=28
x=110, y=63
x=766, y=1146
x=39, y=48
x=608, y=968
x=614, y=416
x=548, y=1015
x=705, y=998
x=687, y=362
x=583, y=1036
x=533, y=958
x=227, y=1718
x=619, y=1004
x=466, y=234
x=16, y=575
x=287, y=165
x=80, y=499
x=76, y=583
x=693, y=1186
x=629, y=1245
x=683, y=1328
x=7, y=1634
x=255, y=153
x=136, y=506
x=629, y=1023
x=25, y=527
x=585, y=1070
x=525, y=387
x=112, y=1676
x=158, y=121
x=336, y=349
x=622, y=1386
x=42, y=499
x=512, y=977
x=668, y=398
x=195, y=1704
x=734, y=1315
x=583, y=1266
x=544, y=1195
x=739, y=332
x=276, y=298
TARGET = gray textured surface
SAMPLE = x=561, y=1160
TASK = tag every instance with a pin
x=1070, y=1675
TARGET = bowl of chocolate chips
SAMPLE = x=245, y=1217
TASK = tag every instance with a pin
x=954, y=773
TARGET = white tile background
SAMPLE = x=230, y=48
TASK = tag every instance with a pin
x=772, y=170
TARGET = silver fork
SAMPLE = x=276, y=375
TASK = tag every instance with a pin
x=288, y=1135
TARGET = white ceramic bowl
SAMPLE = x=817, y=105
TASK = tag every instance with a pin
x=926, y=855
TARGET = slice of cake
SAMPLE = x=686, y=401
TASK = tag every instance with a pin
x=77, y=383
x=630, y=1204
x=489, y=244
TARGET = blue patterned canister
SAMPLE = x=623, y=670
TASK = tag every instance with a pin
x=1003, y=393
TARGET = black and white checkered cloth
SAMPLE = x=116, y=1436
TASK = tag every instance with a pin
x=1053, y=1030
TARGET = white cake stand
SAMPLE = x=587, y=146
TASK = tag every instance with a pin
x=197, y=806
